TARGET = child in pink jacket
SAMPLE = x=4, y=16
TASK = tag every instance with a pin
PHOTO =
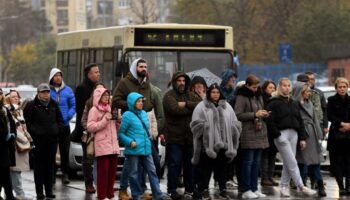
x=106, y=142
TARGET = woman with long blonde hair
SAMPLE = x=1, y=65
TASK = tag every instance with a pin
x=287, y=128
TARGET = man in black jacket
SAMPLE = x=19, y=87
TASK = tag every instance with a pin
x=44, y=123
x=82, y=93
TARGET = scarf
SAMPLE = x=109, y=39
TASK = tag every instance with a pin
x=104, y=107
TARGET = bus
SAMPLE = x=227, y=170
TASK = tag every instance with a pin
x=167, y=48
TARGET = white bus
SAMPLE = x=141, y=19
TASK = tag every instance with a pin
x=167, y=48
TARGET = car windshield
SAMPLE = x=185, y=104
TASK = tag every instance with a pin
x=162, y=64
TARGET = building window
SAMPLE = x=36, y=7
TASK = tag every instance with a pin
x=123, y=4
x=337, y=72
x=62, y=17
x=61, y=3
x=61, y=30
x=105, y=8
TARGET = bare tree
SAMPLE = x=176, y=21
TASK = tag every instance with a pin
x=145, y=11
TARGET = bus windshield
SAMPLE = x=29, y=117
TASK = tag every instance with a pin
x=162, y=64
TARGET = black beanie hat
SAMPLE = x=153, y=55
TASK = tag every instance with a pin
x=214, y=86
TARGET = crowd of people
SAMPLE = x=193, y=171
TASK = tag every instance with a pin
x=221, y=130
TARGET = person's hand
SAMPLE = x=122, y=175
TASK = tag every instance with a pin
x=162, y=139
x=262, y=113
x=325, y=131
x=181, y=104
x=201, y=93
x=302, y=144
x=133, y=144
x=108, y=116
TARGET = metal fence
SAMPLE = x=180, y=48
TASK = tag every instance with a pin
x=276, y=71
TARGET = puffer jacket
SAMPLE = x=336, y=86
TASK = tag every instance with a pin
x=132, y=130
x=64, y=98
x=106, y=140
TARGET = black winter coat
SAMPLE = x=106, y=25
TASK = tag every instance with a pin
x=7, y=148
x=44, y=123
x=82, y=93
x=284, y=114
x=338, y=110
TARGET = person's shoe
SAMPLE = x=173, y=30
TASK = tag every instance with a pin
x=40, y=196
x=321, y=189
x=123, y=195
x=65, y=179
x=205, y=195
x=274, y=183
x=259, y=194
x=90, y=189
x=266, y=182
x=231, y=184
x=249, y=195
x=285, y=192
x=223, y=195
x=307, y=191
x=175, y=196
x=187, y=196
x=147, y=196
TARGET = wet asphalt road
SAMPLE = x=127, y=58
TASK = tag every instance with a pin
x=75, y=189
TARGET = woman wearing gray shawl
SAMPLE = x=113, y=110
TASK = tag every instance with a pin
x=216, y=132
x=310, y=156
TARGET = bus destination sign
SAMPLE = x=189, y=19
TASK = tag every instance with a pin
x=180, y=37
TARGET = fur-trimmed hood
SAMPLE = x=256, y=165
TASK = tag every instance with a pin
x=244, y=91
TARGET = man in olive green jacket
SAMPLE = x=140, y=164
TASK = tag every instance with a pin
x=135, y=81
x=178, y=105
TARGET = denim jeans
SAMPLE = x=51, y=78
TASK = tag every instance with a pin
x=124, y=179
x=250, y=169
x=179, y=156
x=315, y=171
x=17, y=183
x=134, y=176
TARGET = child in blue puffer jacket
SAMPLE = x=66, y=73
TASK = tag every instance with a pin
x=133, y=133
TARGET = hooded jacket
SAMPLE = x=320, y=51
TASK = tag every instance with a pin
x=214, y=128
x=106, y=140
x=177, y=120
x=227, y=92
x=64, y=96
x=132, y=130
x=247, y=104
x=312, y=153
x=131, y=84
